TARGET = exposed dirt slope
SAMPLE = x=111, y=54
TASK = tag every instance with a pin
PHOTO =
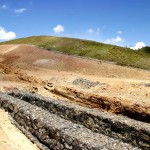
x=30, y=67
x=55, y=60
x=72, y=78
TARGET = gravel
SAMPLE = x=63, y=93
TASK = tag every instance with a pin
x=87, y=84
x=55, y=132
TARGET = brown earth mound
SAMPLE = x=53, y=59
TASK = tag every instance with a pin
x=90, y=83
x=26, y=67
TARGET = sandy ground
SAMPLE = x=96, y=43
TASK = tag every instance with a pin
x=10, y=137
x=24, y=67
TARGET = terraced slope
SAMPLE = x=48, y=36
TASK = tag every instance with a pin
x=60, y=125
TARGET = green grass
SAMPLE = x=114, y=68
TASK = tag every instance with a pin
x=92, y=49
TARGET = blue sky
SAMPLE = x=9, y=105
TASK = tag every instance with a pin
x=118, y=22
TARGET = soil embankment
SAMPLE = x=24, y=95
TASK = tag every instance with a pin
x=90, y=83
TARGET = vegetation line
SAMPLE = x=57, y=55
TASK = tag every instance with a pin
x=119, y=55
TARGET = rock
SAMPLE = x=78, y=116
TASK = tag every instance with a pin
x=87, y=84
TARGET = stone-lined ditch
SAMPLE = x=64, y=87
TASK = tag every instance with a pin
x=105, y=103
x=62, y=125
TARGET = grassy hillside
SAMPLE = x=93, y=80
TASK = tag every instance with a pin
x=86, y=48
x=145, y=50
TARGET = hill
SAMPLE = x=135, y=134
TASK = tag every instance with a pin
x=92, y=49
x=145, y=49
x=71, y=82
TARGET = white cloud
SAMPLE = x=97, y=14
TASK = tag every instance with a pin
x=3, y=7
x=20, y=10
x=90, y=30
x=58, y=29
x=119, y=32
x=138, y=45
x=114, y=40
x=4, y=35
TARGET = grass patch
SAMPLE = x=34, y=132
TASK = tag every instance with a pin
x=92, y=49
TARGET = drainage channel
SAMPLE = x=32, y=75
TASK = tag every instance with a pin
x=104, y=103
x=120, y=127
x=60, y=125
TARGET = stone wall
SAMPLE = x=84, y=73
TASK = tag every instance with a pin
x=120, y=127
x=55, y=132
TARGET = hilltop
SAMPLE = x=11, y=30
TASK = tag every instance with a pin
x=86, y=48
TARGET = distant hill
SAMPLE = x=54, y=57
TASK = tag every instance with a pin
x=92, y=49
x=145, y=49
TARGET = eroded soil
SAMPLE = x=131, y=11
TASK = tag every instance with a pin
x=75, y=79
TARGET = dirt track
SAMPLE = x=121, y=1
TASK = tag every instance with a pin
x=24, y=67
